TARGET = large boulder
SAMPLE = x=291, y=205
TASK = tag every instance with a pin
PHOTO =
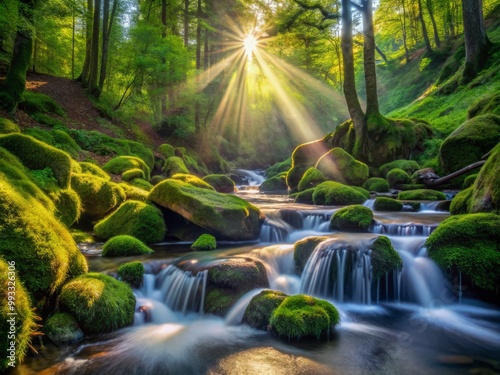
x=124, y=245
x=338, y=165
x=303, y=249
x=422, y=194
x=384, y=257
x=376, y=184
x=223, y=215
x=220, y=182
x=275, y=184
x=355, y=218
x=261, y=307
x=121, y=164
x=62, y=328
x=409, y=166
x=303, y=157
x=486, y=194
x=312, y=178
x=335, y=193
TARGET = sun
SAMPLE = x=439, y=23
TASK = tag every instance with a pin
x=250, y=44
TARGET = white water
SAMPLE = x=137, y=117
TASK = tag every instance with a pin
x=254, y=179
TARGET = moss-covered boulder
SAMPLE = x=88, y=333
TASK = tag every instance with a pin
x=461, y=202
x=174, y=165
x=131, y=273
x=133, y=173
x=193, y=180
x=486, y=195
x=274, y=184
x=469, y=244
x=376, y=184
x=222, y=215
x=93, y=169
x=303, y=157
x=205, y=242
x=220, y=182
x=261, y=307
x=305, y=196
x=98, y=302
x=121, y=164
x=56, y=138
x=469, y=142
x=387, y=204
x=355, y=218
x=409, y=166
x=98, y=196
x=488, y=104
x=62, y=328
x=422, y=194
x=68, y=206
x=397, y=177
x=166, y=150
x=124, y=245
x=469, y=180
x=301, y=316
x=303, y=249
x=383, y=257
x=134, y=193
x=312, y=178
x=14, y=328
x=278, y=168
x=335, y=193
x=34, y=102
x=141, y=184
x=7, y=126
x=338, y=165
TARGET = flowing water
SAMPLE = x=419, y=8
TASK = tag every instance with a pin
x=409, y=321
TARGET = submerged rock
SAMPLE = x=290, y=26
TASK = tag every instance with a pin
x=62, y=328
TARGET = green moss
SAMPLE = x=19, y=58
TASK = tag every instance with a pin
x=303, y=249
x=93, y=169
x=274, y=184
x=223, y=215
x=131, y=273
x=487, y=104
x=220, y=182
x=377, y=184
x=37, y=155
x=355, y=218
x=300, y=316
x=134, y=193
x=124, y=245
x=130, y=174
x=121, y=164
x=98, y=196
x=486, y=195
x=241, y=274
x=47, y=120
x=383, y=257
x=44, y=178
x=56, y=138
x=62, y=328
x=98, y=302
x=24, y=320
x=80, y=236
x=422, y=194
x=278, y=168
x=156, y=179
x=193, y=163
x=461, y=202
x=7, y=126
x=335, y=193
x=141, y=184
x=205, y=242
x=409, y=166
x=174, y=165
x=305, y=196
x=303, y=157
x=39, y=103
x=193, y=180
x=469, y=180
x=219, y=301
x=469, y=244
x=397, y=177
x=166, y=150
x=338, y=165
x=68, y=206
x=387, y=204
x=261, y=307
x=344, y=136
x=138, y=219
x=406, y=187
x=312, y=178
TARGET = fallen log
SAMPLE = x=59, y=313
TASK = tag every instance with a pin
x=433, y=182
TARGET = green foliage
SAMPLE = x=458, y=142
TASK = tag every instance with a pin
x=80, y=236
x=179, y=126
x=299, y=316
x=274, y=184
x=7, y=126
x=45, y=119
x=278, y=168
x=174, y=165
x=469, y=180
x=62, y=328
x=334, y=193
x=397, y=176
x=422, y=194
x=488, y=104
x=424, y=63
x=205, y=242
x=24, y=319
x=124, y=245
x=121, y=164
x=261, y=307
x=166, y=150
x=44, y=178
x=383, y=257
x=387, y=204
x=220, y=182
x=311, y=178
x=338, y=165
x=409, y=166
x=98, y=302
x=138, y=219
x=303, y=249
x=131, y=273
x=355, y=218
x=130, y=174
x=461, y=202
x=377, y=184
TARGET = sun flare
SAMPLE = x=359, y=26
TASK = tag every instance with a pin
x=250, y=44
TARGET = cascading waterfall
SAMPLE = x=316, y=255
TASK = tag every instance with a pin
x=316, y=221
x=402, y=229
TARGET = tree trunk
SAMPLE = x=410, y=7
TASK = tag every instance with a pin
x=434, y=25
x=205, y=52
x=476, y=40
x=186, y=23
x=94, y=59
x=107, y=25
x=443, y=180
x=369, y=60
x=84, y=77
x=163, y=96
x=198, y=36
x=424, y=28
x=404, y=31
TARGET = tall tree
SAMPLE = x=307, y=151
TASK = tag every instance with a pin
x=85, y=75
x=94, y=56
x=107, y=25
x=424, y=28
x=430, y=8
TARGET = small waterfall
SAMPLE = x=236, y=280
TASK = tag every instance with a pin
x=369, y=203
x=253, y=178
x=181, y=290
x=316, y=220
x=275, y=230
x=402, y=229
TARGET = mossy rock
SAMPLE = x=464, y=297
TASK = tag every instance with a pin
x=406, y=187
x=99, y=303
x=121, y=164
x=37, y=155
x=131, y=174
x=56, y=138
x=7, y=126
x=409, y=166
x=68, y=206
x=469, y=180
x=397, y=176
x=486, y=195
x=141, y=183
x=39, y=103
x=93, y=169
x=193, y=180
x=131, y=273
x=222, y=215
x=335, y=193
x=387, y=204
x=301, y=316
x=80, y=236
x=344, y=136
x=62, y=328
x=384, y=258
x=376, y=184
x=338, y=165
x=124, y=245
x=468, y=143
x=461, y=202
x=312, y=178
x=355, y=218
x=305, y=196
x=166, y=150
x=261, y=307
x=488, y=104
x=134, y=218
x=303, y=157
x=240, y=274
x=469, y=244
x=220, y=182
x=274, y=184
x=134, y=193
x=193, y=163
x=98, y=196
x=219, y=301
x=174, y=165
x=303, y=249
x=24, y=321
x=422, y=194
x=156, y=179
x=278, y=168
x=205, y=242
